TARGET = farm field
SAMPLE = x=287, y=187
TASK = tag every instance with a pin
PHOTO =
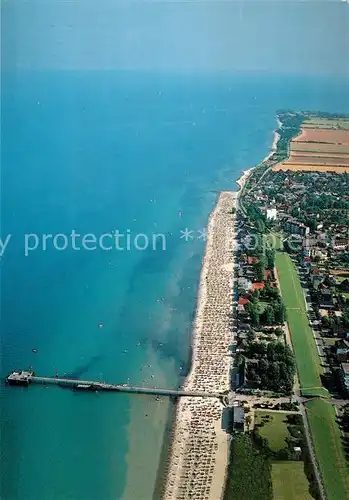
x=311, y=168
x=325, y=146
x=342, y=123
x=318, y=147
x=290, y=481
x=307, y=358
x=329, y=449
x=323, y=135
x=317, y=154
x=318, y=160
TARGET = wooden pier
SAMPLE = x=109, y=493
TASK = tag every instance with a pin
x=25, y=378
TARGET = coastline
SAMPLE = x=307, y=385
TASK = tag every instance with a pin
x=276, y=138
x=200, y=447
x=196, y=422
x=246, y=173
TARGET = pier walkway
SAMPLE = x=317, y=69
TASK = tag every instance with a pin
x=26, y=378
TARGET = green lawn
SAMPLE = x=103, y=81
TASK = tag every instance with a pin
x=307, y=358
x=290, y=481
x=329, y=449
x=327, y=123
x=274, y=240
x=274, y=430
x=330, y=341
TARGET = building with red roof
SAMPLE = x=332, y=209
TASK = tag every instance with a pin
x=243, y=301
x=257, y=286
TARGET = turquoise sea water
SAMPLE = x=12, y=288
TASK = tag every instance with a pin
x=95, y=152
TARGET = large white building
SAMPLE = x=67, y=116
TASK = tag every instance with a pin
x=271, y=213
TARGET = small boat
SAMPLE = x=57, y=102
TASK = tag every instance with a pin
x=100, y=325
x=35, y=350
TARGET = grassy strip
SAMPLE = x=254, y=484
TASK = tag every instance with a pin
x=274, y=430
x=328, y=448
x=289, y=481
x=249, y=473
x=307, y=358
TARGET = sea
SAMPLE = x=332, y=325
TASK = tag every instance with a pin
x=107, y=182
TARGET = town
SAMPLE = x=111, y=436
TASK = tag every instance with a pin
x=292, y=316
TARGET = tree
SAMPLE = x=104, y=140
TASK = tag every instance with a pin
x=260, y=226
x=253, y=310
x=278, y=331
x=270, y=316
x=279, y=311
x=270, y=256
x=258, y=269
x=345, y=419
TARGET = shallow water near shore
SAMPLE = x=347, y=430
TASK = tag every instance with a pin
x=97, y=152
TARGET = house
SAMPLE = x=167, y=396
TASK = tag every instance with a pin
x=293, y=226
x=344, y=286
x=238, y=418
x=241, y=304
x=342, y=350
x=271, y=214
x=331, y=280
x=326, y=299
x=316, y=277
x=245, y=284
x=344, y=375
x=257, y=286
x=339, y=243
x=243, y=301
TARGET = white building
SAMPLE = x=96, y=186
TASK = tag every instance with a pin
x=271, y=213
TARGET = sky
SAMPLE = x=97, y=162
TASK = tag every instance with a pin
x=289, y=36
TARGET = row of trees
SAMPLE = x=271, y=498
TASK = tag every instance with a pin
x=266, y=261
x=249, y=473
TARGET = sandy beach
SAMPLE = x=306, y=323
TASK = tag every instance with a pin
x=199, y=452
x=200, y=447
x=274, y=144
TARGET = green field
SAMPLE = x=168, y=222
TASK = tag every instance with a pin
x=307, y=358
x=274, y=430
x=290, y=481
x=329, y=449
x=327, y=123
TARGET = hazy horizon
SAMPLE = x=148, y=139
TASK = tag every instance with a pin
x=273, y=36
